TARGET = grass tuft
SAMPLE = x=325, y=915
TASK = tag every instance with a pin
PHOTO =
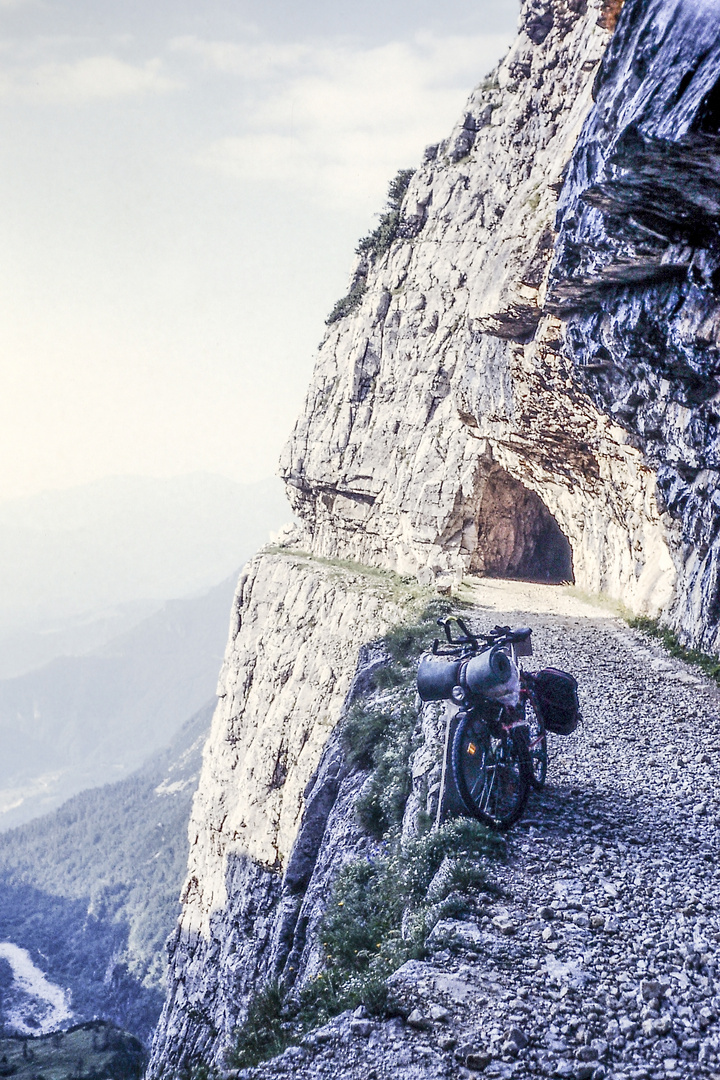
x=264, y=1034
x=709, y=665
x=375, y=244
x=379, y=913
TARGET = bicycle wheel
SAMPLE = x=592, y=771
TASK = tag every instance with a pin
x=536, y=737
x=491, y=770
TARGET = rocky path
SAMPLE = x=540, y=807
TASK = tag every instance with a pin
x=601, y=960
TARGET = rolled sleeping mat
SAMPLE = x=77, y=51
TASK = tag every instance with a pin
x=436, y=676
x=487, y=669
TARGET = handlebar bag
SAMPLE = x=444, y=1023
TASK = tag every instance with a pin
x=436, y=676
x=557, y=699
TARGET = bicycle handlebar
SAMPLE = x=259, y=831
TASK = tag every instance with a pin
x=469, y=642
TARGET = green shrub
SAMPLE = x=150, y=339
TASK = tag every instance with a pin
x=366, y=905
x=387, y=678
x=361, y=732
x=381, y=239
x=406, y=641
x=381, y=804
x=362, y=930
x=264, y=1033
x=373, y=245
x=349, y=302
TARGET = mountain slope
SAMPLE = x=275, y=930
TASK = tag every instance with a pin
x=70, y=559
x=83, y=721
x=92, y=890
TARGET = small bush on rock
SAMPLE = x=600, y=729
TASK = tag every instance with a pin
x=263, y=1034
x=381, y=239
x=373, y=245
x=379, y=914
x=361, y=733
x=349, y=302
x=381, y=803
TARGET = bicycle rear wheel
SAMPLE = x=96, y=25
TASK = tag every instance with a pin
x=537, y=744
x=491, y=769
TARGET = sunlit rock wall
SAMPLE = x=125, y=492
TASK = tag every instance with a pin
x=449, y=385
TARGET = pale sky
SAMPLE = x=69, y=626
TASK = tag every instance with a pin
x=182, y=186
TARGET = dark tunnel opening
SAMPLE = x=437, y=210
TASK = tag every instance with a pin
x=518, y=537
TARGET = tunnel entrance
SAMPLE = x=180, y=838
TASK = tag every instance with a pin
x=517, y=535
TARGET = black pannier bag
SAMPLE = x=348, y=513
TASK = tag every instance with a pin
x=557, y=700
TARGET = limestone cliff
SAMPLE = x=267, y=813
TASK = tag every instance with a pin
x=524, y=384
x=462, y=400
x=291, y=665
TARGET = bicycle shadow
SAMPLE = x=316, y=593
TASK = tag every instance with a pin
x=564, y=810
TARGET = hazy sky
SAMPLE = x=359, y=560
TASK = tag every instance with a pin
x=181, y=189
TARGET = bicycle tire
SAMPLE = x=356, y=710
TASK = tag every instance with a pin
x=536, y=737
x=491, y=770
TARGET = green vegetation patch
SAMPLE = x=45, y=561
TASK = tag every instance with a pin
x=381, y=910
x=381, y=239
x=380, y=733
x=347, y=304
x=93, y=1051
x=266, y=1031
x=375, y=244
x=709, y=665
x=379, y=915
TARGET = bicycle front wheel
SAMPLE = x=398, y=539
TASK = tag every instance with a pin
x=491, y=770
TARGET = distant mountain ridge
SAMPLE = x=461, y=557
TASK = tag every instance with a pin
x=82, y=721
x=120, y=541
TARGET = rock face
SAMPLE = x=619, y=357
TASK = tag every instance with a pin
x=290, y=666
x=453, y=391
x=523, y=382
x=445, y=431
x=637, y=270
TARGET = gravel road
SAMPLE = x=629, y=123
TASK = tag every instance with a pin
x=601, y=960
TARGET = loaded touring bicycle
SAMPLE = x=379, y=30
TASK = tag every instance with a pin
x=499, y=749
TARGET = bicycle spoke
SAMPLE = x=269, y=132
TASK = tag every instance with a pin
x=491, y=765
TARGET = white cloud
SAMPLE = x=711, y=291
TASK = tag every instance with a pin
x=336, y=121
x=93, y=78
x=250, y=60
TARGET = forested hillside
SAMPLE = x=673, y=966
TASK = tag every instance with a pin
x=92, y=890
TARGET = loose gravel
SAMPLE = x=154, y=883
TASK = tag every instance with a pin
x=601, y=961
